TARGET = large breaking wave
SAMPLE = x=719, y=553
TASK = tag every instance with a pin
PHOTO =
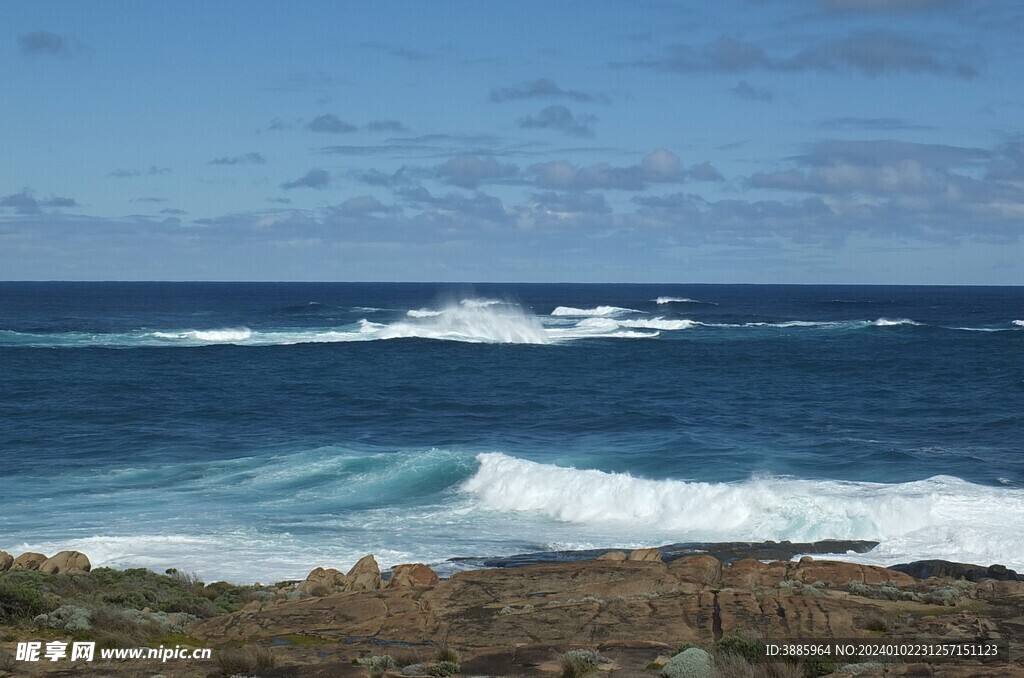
x=289, y=512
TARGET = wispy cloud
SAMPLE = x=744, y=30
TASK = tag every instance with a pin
x=886, y=6
x=385, y=126
x=25, y=202
x=469, y=171
x=44, y=43
x=244, y=159
x=872, y=52
x=542, y=89
x=561, y=119
x=744, y=90
x=153, y=170
x=330, y=124
x=314, y=178
x=873, y=124
x=659, y=166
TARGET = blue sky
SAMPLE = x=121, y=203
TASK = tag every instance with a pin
x=785, y=141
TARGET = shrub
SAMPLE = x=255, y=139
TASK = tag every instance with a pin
x=691, y=663
x=749, y=650
x=577, y=663
x=443, y=668
x=245, y=660
x=21, y=601
x=447, y=653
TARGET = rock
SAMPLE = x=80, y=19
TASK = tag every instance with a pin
x=28, y=561
x=5, y=561
x=615, y=556
x=415, y=575
x=645, y=555
x=609, y=605
x=364, y=575
x=322, y=581
x=692, y=662
x=703, y=570
x=923, y=569
x=66, y=562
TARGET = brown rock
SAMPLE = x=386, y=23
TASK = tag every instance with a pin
x=645, y=555
x=322, y=581
x=608, y=604
x=28, y=561
x=364, y=575
x=614, y=556
x=66, y=562
x=5, y=561
x=415, y=575
x=703, y=570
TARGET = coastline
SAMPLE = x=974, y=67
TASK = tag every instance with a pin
x=632, y=610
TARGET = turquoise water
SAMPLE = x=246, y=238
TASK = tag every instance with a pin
x=253, y=431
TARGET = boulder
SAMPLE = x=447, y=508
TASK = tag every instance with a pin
x=28, y=561
x=364, y=575
x=614, y=556
x=703, y=570
x=415, y=575
x=923, y=569
x=692, y=662
x=66, y=562
x=646, y=555
x=322, y=581
x=5, y=561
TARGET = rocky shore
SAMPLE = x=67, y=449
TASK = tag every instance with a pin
x=645, y=613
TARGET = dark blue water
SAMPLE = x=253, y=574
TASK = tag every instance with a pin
x=203, y=425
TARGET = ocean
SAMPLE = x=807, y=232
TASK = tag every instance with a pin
x=253, y=431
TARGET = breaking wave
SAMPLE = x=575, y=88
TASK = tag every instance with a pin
x=682, y=300
x=600, y=311
x=938, y=517
x=225, y=336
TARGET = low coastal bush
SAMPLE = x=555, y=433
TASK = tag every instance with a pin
x=244, y=661
x=577, y=663
x=117, y=607
x=20, y=600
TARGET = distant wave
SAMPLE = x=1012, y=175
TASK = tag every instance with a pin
x=468, y=320
x=658, y=324
x=894, y=322
x=939, y=517
x=223, y=336
x=598, y=311
x=472, y=320
x=682, y=300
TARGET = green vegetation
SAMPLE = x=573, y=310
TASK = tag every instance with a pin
x=245, y=661
x=114, y=607
x=577, y=663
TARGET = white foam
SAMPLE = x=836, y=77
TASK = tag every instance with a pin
x=893, y=322
x=423, y=313
x=225, y=336
x=1019, y=323
x=681, y=300
x=480, y=303
x=598, y=311
x=472, y=320
x=939, y=517
x=659, y=324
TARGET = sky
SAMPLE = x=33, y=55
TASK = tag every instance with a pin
x=736, y=141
